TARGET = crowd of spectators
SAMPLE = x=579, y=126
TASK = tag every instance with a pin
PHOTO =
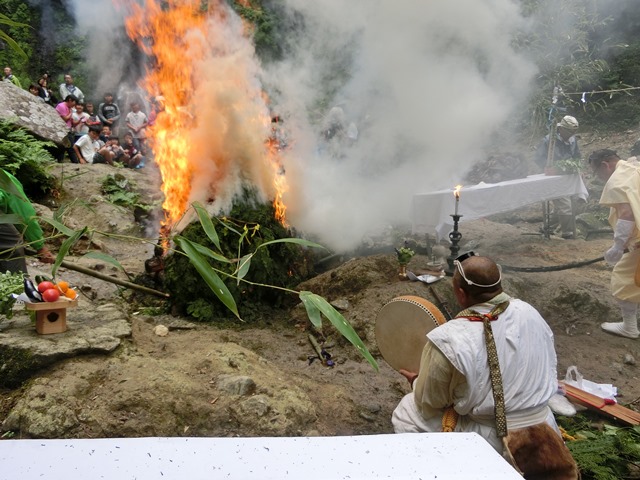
x=101, y=135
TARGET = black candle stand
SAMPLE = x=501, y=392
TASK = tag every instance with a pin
x=455, y=236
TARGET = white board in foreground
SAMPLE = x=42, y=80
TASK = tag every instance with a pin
x=441, y=456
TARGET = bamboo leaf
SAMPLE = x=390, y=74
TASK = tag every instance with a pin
x=229, y=227
x=5, y=20
x=105, y=258
x=207, y=273
x=339, y=322
x=207, y=224
x=13, y=45
x=299, y=241
x=64, y=249
x=210, y=253
x=243, y=267
x=8, y=186
x=312, y=311
x=58, y=226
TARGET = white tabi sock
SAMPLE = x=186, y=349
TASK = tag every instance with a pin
x=629, y=325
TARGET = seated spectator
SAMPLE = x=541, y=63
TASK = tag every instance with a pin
x=105, y=134
x=10, y=77
x=119, y=155
x=34, y=90
x=79, y=119
x=136, y=159
x=89, y=148
x=45, y=91
x=136, y=123
x=68, y=88
x=109, y=113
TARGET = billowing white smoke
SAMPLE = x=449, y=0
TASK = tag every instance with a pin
x=421, y=86
x=106, y=52
x=425, y=83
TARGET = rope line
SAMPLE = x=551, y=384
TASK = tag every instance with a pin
x=601, y=91
x=552, y=268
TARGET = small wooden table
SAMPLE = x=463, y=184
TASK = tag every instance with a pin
x=51, y=317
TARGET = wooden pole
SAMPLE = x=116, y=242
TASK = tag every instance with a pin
x=117, y=281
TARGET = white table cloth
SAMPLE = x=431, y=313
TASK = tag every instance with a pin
x=445, y=456
x=431, y=212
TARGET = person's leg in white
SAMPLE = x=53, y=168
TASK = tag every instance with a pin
x=629, y=325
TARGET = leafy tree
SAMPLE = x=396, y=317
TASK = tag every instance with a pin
x=560, y=44
x=53, y=46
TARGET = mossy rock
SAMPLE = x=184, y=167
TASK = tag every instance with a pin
x=16, y=366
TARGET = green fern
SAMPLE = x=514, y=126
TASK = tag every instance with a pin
x=28, y=159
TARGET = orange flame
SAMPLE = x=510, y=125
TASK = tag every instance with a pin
x=456, y=192
x=163, y=33
x=209, y=137
x=279, y=179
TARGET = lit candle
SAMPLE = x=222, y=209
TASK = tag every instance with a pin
x=456, y=193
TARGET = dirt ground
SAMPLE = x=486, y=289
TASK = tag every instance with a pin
x=348, y=398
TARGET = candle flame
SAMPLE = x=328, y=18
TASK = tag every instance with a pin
x=456, y=192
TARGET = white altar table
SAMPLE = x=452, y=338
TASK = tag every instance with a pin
x=445, y=456
x=431, y=212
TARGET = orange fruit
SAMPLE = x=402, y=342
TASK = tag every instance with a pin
x=70, y=294
x=63, y=286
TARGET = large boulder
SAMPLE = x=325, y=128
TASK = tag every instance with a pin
x=22, y=108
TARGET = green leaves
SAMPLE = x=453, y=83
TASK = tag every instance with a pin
x=64, y=249
x=8, y=186
x=4, y=20
x=298, y=241
x=207, y=224
x=208, y=274
x=107, y=259
x=317, y=305
x=10, y=283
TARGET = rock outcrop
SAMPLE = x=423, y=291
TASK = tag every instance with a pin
x=24, y=109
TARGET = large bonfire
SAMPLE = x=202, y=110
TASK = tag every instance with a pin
x=210, y=139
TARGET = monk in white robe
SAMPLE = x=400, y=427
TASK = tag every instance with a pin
x=454, y=373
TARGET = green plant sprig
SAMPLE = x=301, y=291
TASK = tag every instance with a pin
x=405, y=255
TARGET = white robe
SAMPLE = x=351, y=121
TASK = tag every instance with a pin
x=454, y=371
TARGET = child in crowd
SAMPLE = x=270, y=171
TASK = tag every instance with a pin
x=119, y=155
x=137, y=123
x=79, y=121
x=93, y=119
x=105, y=134
x=136, y=160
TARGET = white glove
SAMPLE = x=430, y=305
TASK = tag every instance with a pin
x=621, y=234
x=613, y=255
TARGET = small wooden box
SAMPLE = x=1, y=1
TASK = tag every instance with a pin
x=51, y=317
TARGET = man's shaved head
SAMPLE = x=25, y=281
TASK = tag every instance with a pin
x=480, y=271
